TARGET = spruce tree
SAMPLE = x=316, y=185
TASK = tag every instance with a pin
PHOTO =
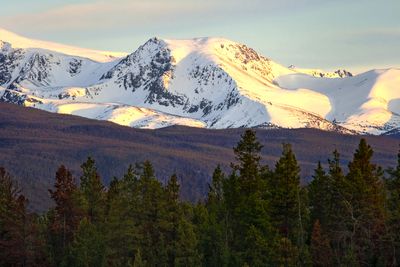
x=287, y=211
x=285, y=191
x=88, y=248
x=93, y=191
x=20, y=243
x=365, y=206
x=247, y=208
x=122, y=234
x=247, y=154
x=215, y=190
x=215, y=233
x=319, y=191
x=151, y=217
x=174, y=216
x=393, y=206
x=321, y=251
x=65, y=219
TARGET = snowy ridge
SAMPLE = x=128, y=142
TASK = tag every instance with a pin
x=18, y=41
x=203, y=82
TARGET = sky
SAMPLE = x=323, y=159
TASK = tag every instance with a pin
x=357, y=35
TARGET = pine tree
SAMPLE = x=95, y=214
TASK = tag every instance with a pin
x=180, y=238
x=121, y=229
x=20, y=244
x=285, y=190
x=321, y=251
x=215, y=191
x=65, y=220
x=88, y=247
x=365, y=206
x=287, y=212
x=334, y=224
x=247, y=208
x=93, y=191
x=173, y=218
x=215, y=232
x=320, y=194
x=393, y=206
x=151, y=217
x=187, y=241
x=247, y=153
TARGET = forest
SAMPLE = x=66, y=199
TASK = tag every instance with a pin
x=254, y=215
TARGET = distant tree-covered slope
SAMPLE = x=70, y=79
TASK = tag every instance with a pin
x=34, y=143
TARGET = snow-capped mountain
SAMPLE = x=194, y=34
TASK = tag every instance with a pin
x=204, y=82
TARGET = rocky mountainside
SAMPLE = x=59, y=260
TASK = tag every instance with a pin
x=204, y=82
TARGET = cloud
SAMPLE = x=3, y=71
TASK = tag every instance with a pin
x=108, y=14
x=150, y=13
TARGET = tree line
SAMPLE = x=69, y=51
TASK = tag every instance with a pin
x=254, y=215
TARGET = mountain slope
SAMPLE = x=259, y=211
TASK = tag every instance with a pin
x=204, y=82
x=34, y=143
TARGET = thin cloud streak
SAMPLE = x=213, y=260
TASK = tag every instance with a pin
x=306, y=33
x=123, y=13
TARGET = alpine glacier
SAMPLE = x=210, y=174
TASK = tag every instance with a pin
x=203, y=82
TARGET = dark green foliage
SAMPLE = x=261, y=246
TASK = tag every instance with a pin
x=64, y=219
x=285, y=201
x=121, y=230
x=320, y=197
x=88, y=247
x=92, y=191
x=214, y=230
x=289, y=210
x=254, y=216
x=248, y=224
x=20, y=242
x=365, y=205
x=321, y=251
x=25, y=150
x=393, y=204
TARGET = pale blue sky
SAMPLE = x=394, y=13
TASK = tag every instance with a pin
x=354, y=34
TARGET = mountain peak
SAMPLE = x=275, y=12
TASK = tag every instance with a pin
x=203, y=82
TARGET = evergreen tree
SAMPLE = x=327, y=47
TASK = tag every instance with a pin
x=92, y=191
x=88, y=247
x=285, y=189
x=366, y=204
x=215, y=231
x=173, y=218
x=187, y=241
x=151, y=217
x=122, y=235
x=321, y=251
x=215, y=191
x=247, y=154
x=287, y=211
x=180, y=237
x=247, y=208
x=334, y=223
x=320, y=193
x=64, y=221
x=20, y=244
x=393, y=205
